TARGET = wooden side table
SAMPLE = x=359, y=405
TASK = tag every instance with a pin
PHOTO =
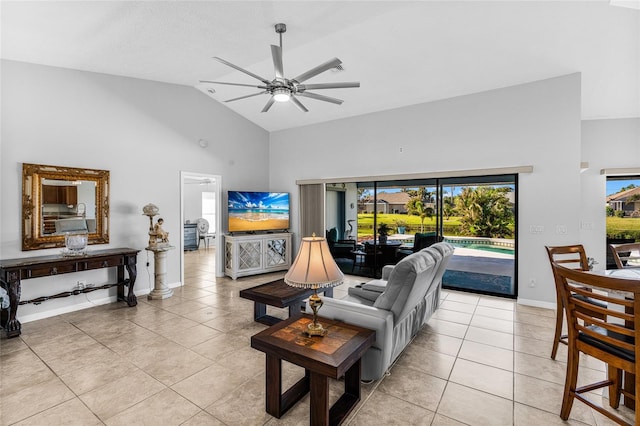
x=335, y=355
x=277, y=293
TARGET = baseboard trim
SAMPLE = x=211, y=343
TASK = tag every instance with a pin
x=536, y=303
x=84, y=305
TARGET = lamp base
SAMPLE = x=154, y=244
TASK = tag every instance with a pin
x=315, y=329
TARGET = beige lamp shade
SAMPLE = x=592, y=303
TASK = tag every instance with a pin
x=314, y=266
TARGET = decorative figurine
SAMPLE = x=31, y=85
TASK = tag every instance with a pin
x=158, y=237
x=160, y=233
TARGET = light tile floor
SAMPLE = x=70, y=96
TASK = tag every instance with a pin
x=186, y=360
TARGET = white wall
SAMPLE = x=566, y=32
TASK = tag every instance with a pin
x=143, y=132
x=606, y=144
x=534, y=124
x=192, y=199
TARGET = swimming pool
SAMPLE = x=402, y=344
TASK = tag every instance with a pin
x=495, y=245
x=487, y=247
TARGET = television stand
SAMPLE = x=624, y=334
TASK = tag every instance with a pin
x=256, y=254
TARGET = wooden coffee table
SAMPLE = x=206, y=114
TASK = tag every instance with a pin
x=335, y=355
x=279, y=294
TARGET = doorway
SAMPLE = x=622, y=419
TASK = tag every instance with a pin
x=201, y=198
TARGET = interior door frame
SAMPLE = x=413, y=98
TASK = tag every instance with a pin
x=218, y=240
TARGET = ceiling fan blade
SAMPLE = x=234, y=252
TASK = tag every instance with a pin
x=229, y=64
x=233, y=84
x=317, y=70
x=246, y=96
x=276, y=53
x=321, y=98
x=344, y=85
x=297, y=103
x=268, y=105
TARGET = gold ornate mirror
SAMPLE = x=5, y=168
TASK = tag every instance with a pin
x=56, y=199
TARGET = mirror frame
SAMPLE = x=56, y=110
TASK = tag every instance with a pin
x=32, y=175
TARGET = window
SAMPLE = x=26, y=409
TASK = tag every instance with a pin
x=623, y=212
x=209, y=210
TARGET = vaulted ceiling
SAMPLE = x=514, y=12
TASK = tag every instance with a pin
x=402, y=53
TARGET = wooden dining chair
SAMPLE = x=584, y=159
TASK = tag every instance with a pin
x=611, y=340
x=626, y=255
x=574, y=257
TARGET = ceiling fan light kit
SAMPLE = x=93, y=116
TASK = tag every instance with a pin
x=281, y=89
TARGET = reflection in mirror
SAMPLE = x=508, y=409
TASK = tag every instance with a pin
x=62, y=200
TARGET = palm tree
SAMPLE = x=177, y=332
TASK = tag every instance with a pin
x=417, y=205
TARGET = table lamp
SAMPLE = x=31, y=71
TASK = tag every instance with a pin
x=314, y=268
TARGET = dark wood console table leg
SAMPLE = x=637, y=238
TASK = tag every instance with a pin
x=13, y=327
x=132, y=270
x=133, y=273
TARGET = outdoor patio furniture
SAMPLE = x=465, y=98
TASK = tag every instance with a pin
x=339, y=248
x=626, y=255
x=420, y=241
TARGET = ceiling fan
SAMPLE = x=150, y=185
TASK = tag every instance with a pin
x=282, y=89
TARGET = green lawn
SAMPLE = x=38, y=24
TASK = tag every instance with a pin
x=365, y=224
x=617, y=227
x=623, y=227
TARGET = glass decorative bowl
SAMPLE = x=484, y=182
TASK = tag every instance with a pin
x=75, y=243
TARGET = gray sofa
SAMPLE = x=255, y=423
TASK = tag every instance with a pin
x=396, y=306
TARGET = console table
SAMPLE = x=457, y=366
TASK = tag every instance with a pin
x=12, y=271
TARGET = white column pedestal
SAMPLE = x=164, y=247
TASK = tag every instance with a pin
x=160, y=288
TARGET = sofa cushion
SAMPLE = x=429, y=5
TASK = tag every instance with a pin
x=407, y=284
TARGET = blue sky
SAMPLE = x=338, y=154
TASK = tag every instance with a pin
x=613, y=186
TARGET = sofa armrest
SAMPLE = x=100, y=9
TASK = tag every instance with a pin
x=376, y=285
x=364, y=296
x=386, y=272
x=369, y=317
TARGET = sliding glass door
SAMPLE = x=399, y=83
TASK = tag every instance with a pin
x=479, y=219
x=398, y=217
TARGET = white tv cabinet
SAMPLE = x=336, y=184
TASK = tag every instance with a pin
x=254, y=254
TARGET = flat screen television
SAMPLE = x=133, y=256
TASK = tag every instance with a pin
x=258, y=211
